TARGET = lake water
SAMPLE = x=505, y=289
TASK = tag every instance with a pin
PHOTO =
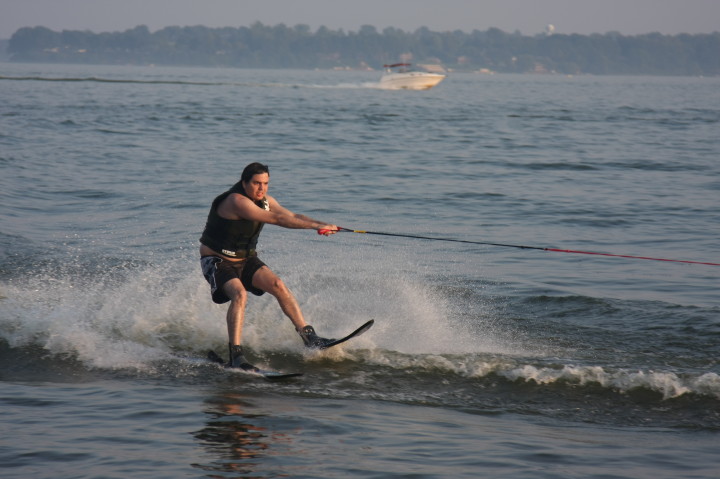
x=485, y=360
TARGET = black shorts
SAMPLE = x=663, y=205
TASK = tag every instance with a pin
x=218, y=271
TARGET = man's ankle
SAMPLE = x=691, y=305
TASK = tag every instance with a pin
x=237, y=358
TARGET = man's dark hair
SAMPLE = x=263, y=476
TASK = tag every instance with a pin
x=253, y=169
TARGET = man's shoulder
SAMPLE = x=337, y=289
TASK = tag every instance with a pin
x=233, y=205
x=237, y=198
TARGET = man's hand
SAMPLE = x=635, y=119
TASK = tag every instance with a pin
x=327, y=230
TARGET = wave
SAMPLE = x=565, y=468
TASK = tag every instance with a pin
x=92, y=79
x=666, y=384
x=122, y=329
x=110, y=315
x=109, y=80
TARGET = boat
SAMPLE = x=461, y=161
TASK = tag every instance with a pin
x=398, y=76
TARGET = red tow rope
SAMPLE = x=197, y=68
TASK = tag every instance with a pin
x=555, y=250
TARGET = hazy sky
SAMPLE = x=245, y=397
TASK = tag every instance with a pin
x=629, y=17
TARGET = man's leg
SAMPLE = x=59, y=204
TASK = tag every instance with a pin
x=236, y=311
x=235, y=319
x=268, y=281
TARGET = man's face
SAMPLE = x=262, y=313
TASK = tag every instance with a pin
x=257, y=187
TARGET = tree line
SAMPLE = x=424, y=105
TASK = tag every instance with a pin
x=280, y=46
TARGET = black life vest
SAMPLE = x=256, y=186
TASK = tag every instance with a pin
x=234, y=238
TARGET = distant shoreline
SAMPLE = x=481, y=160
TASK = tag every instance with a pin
x=281, y=47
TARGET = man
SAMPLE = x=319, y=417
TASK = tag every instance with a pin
x=229, y=261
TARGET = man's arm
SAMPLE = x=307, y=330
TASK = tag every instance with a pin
x=278, y=215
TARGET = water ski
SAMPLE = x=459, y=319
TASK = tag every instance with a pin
x=334, y=342
x=268, y=374
x=249, y=368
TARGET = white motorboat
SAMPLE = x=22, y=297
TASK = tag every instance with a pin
x=398, y=77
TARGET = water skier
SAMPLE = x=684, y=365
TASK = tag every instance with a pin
x=229, y=261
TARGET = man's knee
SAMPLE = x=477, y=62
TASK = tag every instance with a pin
x=277, y=287
x=235, y=293
x=238, y=297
